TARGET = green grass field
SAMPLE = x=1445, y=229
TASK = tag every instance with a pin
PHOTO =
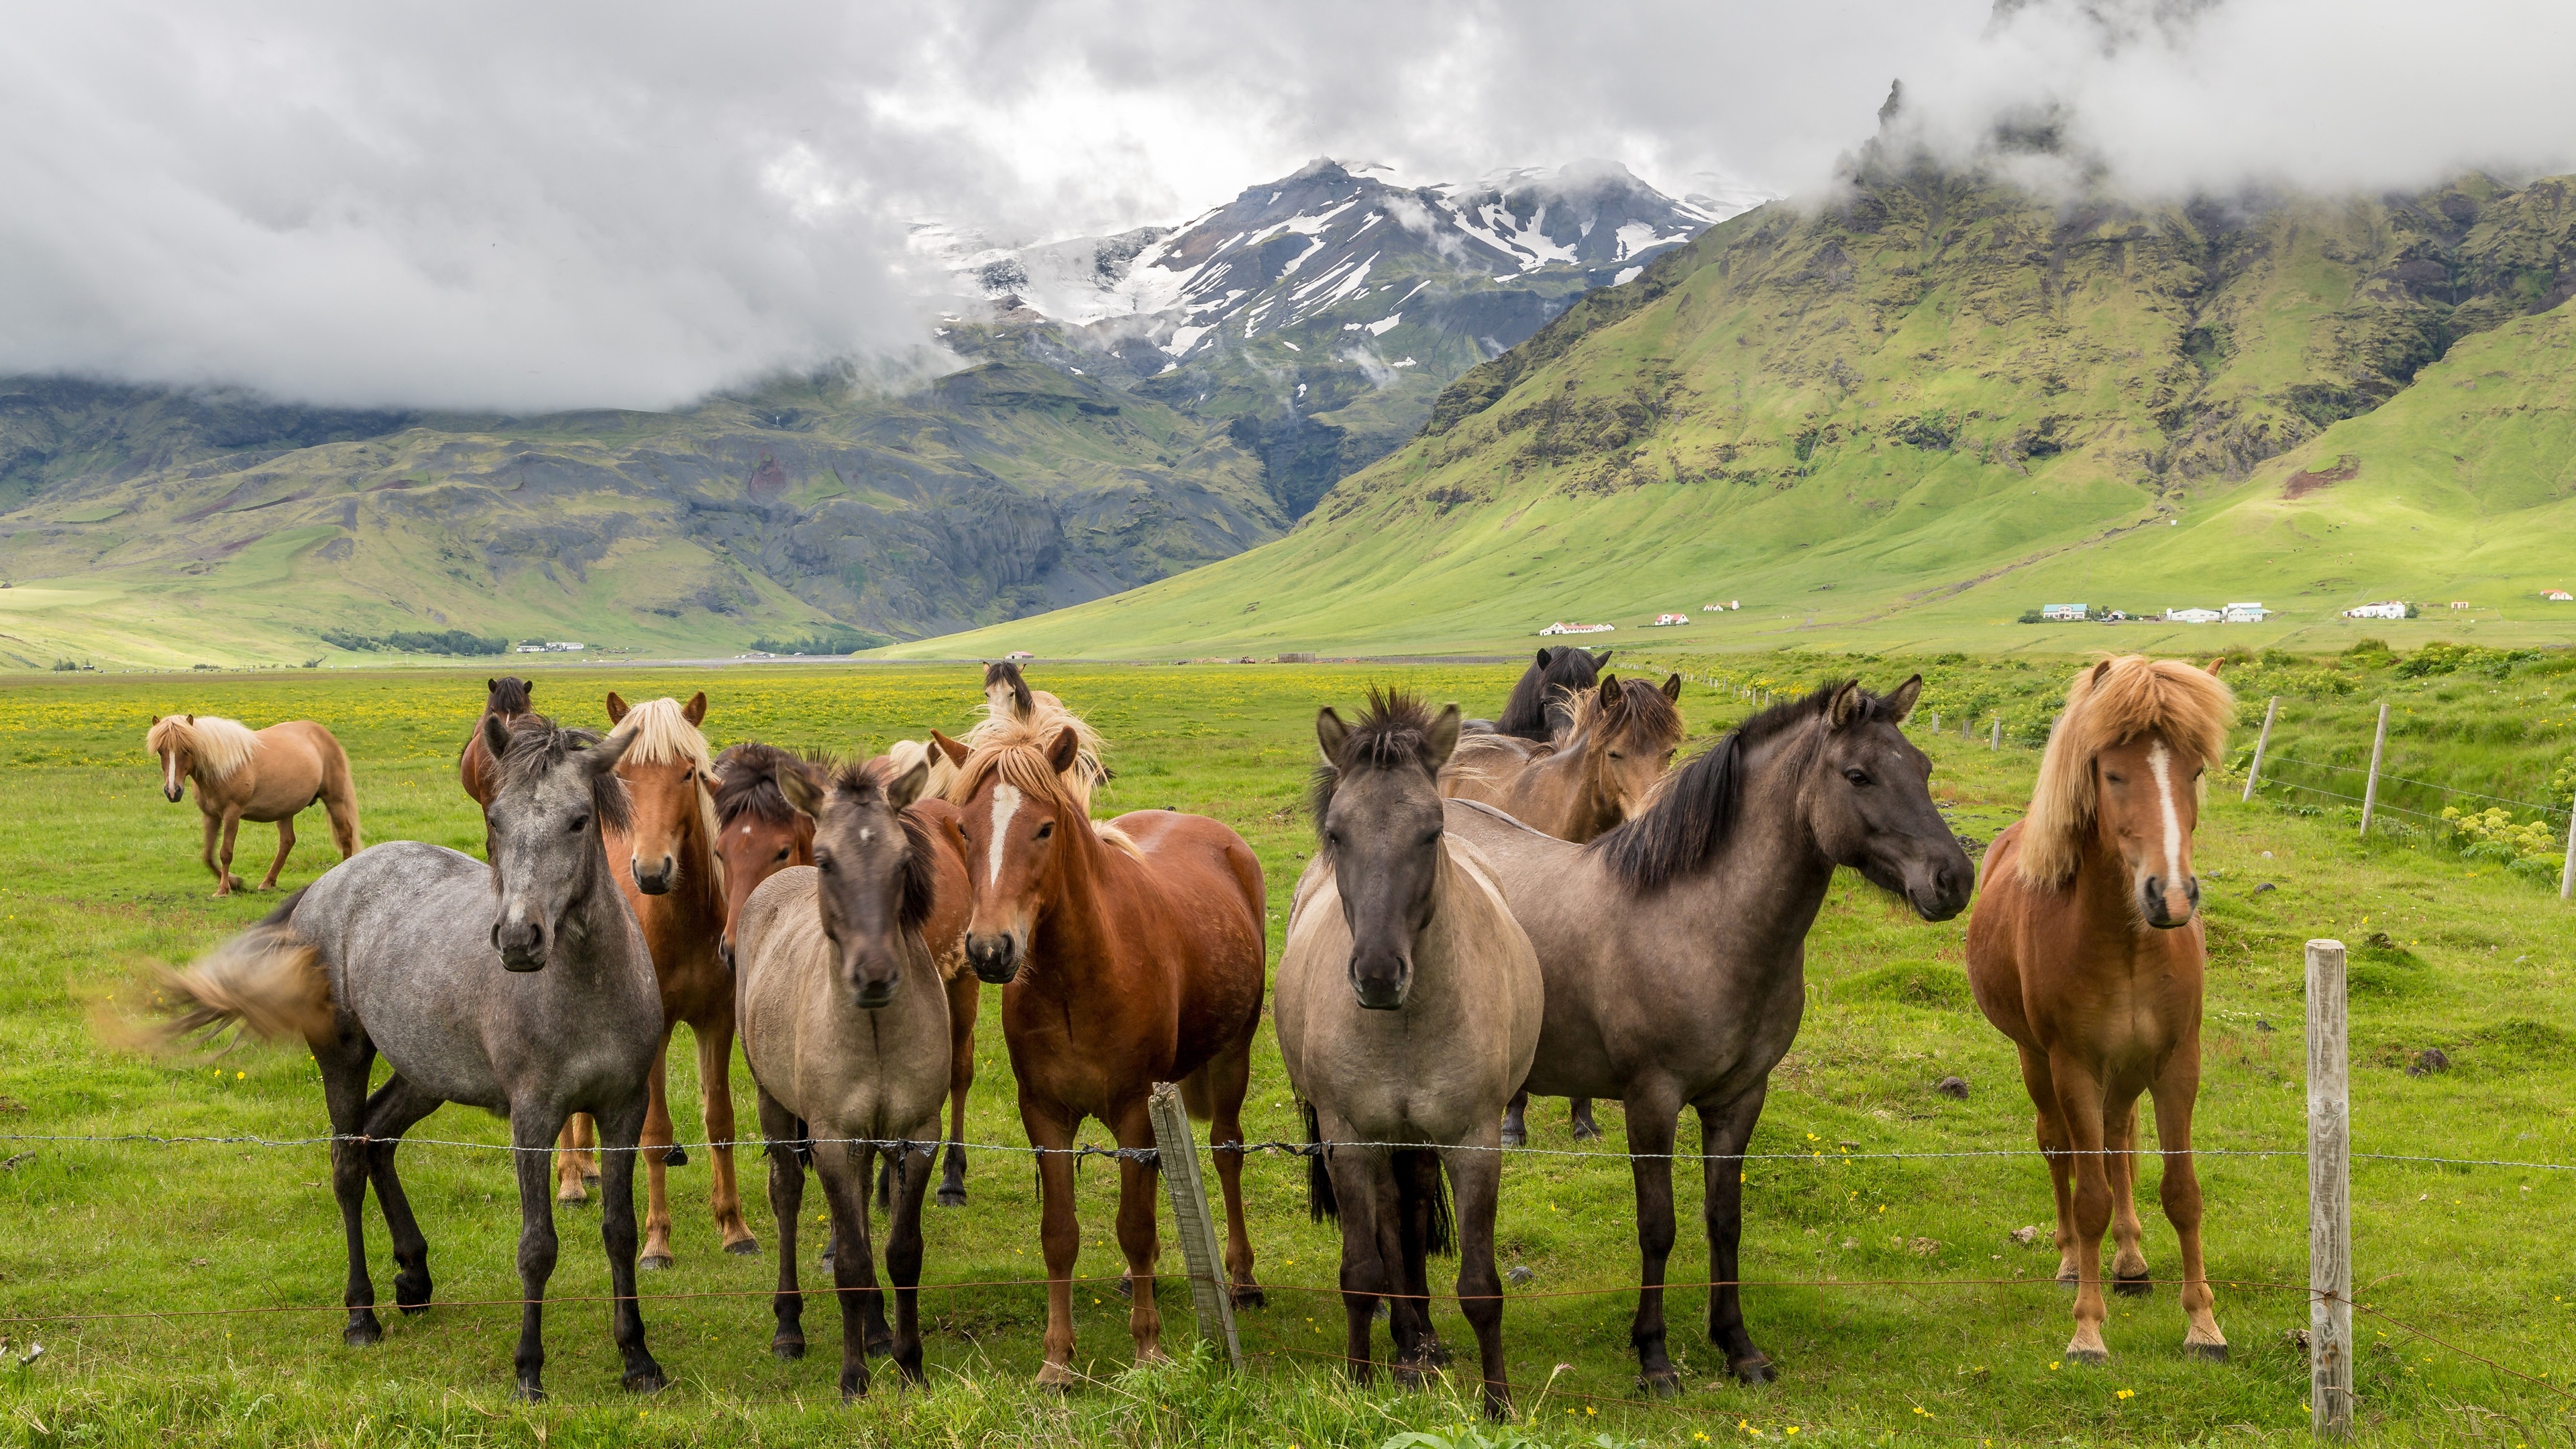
x=1904, y=1312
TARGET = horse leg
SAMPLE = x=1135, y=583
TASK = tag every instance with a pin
x=1476, y=1181
x=2175, y=1095
x=575, y=1163
x=1228, y=1074
x=786, y=1199
x=1585, y=1129
x=214, y=832
x=391, y=1112
x=231, y=882
x=1417, y=1183
x=1515, y=1124
x=619, y=1126
x=285, y=843
x=344, y=1070
x=2129, y=1264
x=2080, y=1106
x=531, y=1128
x=964, y=997
x=844, y=1172
x=1059, y=1236
x=903, y=1257
x=715, y=1089
x=1364, y=1199
x=2048, y=1125
x=1724, y=1129
x=1138, y=1184
x=1653, y=1113
x=656, y=1138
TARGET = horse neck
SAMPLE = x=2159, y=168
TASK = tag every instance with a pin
x=1445, y=954
x=1072, y=932
x=604, y=917
x=1769, y=870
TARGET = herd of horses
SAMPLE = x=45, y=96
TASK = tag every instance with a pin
x=1538, y=904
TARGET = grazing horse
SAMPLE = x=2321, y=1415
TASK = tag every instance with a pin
x=1132, y=954
x=1605, y=763
x=674, y=882
x=270, y=775
x=2086, y=950
x=1674, y=948
x=765, y=799
x=548, y=1010
x=845, y=1026
x=1408, y=1006
x=504, y=699
x=1543, y=696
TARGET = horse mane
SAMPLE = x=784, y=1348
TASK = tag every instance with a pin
x=1393, y=731
x=902, y=755
x=1033, y=718
x=2118, y=699
x=1536, y=695
x=1697, y=808
x=507, y=697
x=1638, y=711
x=220, y=745
x=1007, y=676
x=537, y=745
x=1015, y=752
x=747, y=780
x=664, y=736
x=855, y=787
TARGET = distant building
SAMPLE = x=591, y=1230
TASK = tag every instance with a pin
x=1666, y=621
x=2461, y=604
x=2385, y=609
x=2558, y=596
x=2193, y=616
x=2064, y=613
x=2244, y=614
x=1562, y=627
x=1019, y=654
x=1720, y=608
x=547, y=646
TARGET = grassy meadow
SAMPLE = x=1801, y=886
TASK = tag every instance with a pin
x=1898, y=1304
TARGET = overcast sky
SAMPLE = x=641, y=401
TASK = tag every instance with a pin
x=560, y=205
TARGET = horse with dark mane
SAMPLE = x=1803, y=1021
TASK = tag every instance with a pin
x=1674, y=948
x=2086, y=950
x=1544, y=695
x=505, y=699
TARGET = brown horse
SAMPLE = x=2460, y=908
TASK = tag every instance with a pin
x=766, y=800
x=1132, y=953
x=2086, y=949
x=505, y=699
x=270, y=775
x=672, y=878
x=1603, y=766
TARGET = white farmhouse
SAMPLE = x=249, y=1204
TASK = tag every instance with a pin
x=1562, y=627
x=2192, y=616
x=2244, y=614
x=2385, y=609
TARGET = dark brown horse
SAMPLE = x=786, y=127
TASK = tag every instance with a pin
x=505, y=699
x=2086, y=950
x=1674, y=948
x=1543, y=697
x=1132, y=953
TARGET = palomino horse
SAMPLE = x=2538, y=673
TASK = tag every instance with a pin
x=668, y=868
x=2086, y=950
x=846, y=1030
x=764, y=799
x=504, y=699
x=1606, y=761
x=1542, y=698
x=549, y=1010
x=1132, y=953
x=1408, y=1007
x=269, y=775
x=1674, y=948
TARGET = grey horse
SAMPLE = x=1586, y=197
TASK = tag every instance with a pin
x=844, y=1022
x=1408, y=1006
x=1674, y=948
x=548, y=1010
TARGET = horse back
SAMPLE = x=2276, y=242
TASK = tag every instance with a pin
x=297, y=763
x=1193, y=896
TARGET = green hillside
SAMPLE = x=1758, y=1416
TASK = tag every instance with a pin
x=1911, y=416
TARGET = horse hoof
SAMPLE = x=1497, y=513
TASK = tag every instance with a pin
x=2088, y=1355
x=1056, y=1378
x=654, y=1262
x=1412, y=1373
x=1515, y=1137
x=528, y=1394
x=951, y=1197
x=1754, y=1370
x=787, y=1350
x=676, y=1157
x=1585, y=1131
x=646, y=1380
x=1126, y=1286
x=2129, y=1287
x=2205, y=1352
x=572, y=1197
x=744, y=1248
x=362, y=1334
x=1250, y=1297
x=2069, y=1282
x=1662, y=1384
x=879, y=1345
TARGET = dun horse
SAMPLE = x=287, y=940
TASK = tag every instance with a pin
x=1606, y=761
x=845, y=1026
x=1543, y=697
x=674, y=882
x=765, y=797
x=2086, y=949
x=1133, y=955
x=550, y=1009
x=270, y=775
x=1674, y=948
x=1408, y=1007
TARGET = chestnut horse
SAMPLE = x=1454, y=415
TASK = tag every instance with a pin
x=766, y=803
x=2086, y=949
x=667, y=867
x=1132, y=954
x=270, y=775
x=504, y=699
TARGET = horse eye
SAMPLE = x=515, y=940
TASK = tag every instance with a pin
x=781, y=855
x=1857, y=777
x=579, y=824
x=1046, y=830
x=823, y=863
x=2114, y=779
x=1614, y=754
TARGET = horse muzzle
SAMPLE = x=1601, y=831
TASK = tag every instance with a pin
x=1942, y=891
x=2156, y=904
x=659, y=881
x=173, y=793
x=522, y=945
x=1381, y=984
x=874, y=994
x=995, y=957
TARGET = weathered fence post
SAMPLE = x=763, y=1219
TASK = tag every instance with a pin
x=2567, y=872
x=2262, y=742
x=1996, y=742
x=2370, y=791
x=1936, y=721
x=1178, y=1156
x=2329, y=1196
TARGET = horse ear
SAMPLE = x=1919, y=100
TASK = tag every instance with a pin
x=2217, y=664
x=1543, y=656
x=191, y=719
x=616, y=708
x=496, y=736
x=792, y=782
x=1063, y=750
x=955, y=752
x=906, y=787
x=696, y=709
x=491, y=684
x=1601, y=660
x=1330, y=732
x=2101, y=671
x=1844, y=706
x=1673, y=687
x=156, y=719
x=601, y=758
x=1901, y=703
x=1443, y=737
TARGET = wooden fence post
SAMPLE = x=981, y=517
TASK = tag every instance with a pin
x=2567, y=872
x=1936, y=721
x=2329, y=1197
x=2262, y=742
x=1997, y=741
x=1179, y=1159
x=2370, y=791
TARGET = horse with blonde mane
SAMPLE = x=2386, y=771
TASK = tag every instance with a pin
x=666, y=864
x=1131, y=954
x=2086, y=949
x=265, y=775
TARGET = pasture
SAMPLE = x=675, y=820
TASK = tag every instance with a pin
x=1891, y=1291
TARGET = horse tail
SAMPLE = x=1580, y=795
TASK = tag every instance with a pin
x=338, y=795
x=1421, y=1185
x=268, y=980
x=1320, y=1203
